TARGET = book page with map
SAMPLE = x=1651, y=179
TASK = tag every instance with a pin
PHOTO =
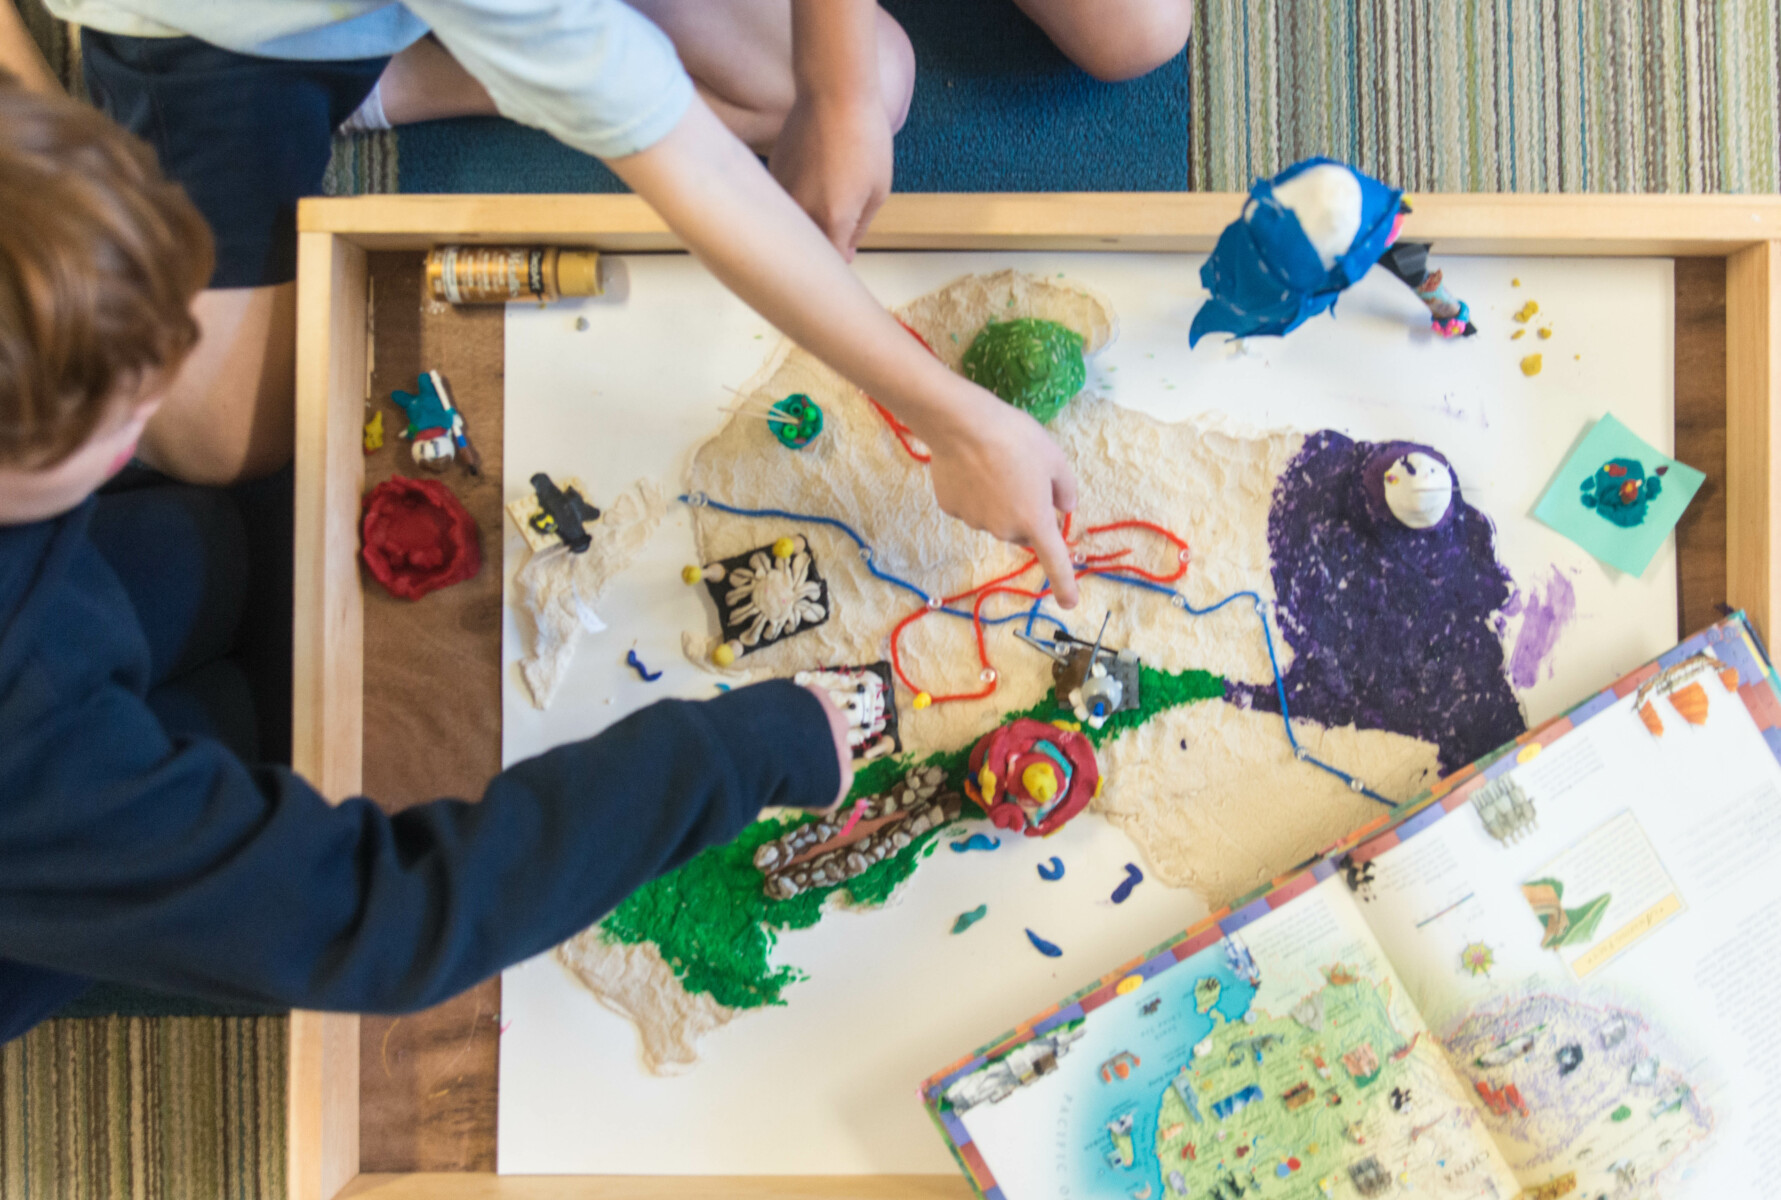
x=1591, y=924
x=1274, y=1055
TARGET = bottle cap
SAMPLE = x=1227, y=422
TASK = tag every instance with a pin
x=578, y=273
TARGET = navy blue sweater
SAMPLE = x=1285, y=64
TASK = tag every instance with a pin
x=128, y=855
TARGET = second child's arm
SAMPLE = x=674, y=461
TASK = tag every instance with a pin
x=598, y=76
x=993, y=467
x=833, y=155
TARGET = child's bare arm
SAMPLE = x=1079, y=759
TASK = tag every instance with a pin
x=993, y=466
x=833, y=154
x=20, y=55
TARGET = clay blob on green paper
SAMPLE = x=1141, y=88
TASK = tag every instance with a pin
x=1035, y=365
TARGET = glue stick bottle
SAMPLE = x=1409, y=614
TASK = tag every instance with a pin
x=498, y=274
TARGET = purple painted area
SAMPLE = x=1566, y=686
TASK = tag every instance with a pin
x=1390, y=627
x=1543, y=619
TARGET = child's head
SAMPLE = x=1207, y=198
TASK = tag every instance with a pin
x=100, y=257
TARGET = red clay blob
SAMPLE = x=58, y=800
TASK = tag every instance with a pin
x=1031, y=777
x=418, y=537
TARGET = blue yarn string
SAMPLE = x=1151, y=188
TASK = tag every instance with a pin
x=700, y=500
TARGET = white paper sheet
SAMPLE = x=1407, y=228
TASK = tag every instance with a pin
x=827, y=1083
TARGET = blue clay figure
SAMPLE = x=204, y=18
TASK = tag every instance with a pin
x=1305, y=237
x=1620, y=491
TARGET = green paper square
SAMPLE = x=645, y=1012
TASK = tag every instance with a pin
x=1621, y=534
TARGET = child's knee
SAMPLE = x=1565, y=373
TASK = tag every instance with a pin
x=1145, y=35
x=896, y=69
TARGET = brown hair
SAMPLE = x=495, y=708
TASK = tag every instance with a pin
x=100, y=257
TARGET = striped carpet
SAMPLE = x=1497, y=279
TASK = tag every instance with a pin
x=144, y=1107
x=1492, y=95
x=1448, y=95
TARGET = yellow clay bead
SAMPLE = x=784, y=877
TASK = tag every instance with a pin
x=784, y=548
x=922, y=700
x=691, y=575
x=723, y=656
x=1531, y=365
x=1040, y=781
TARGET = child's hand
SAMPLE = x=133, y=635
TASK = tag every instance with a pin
x=834, y=157
x=843, y=752
x=996, y=469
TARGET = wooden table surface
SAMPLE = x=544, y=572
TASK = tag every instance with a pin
x=433, y=675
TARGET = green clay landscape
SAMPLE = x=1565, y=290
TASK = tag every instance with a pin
x=716, y=928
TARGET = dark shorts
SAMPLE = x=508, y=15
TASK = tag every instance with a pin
x=246, y=137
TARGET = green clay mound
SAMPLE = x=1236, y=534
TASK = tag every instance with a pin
x=715, y=927
x=1035, y=365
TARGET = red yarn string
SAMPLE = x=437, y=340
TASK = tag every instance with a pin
x=897, y=427
x=1093, y=564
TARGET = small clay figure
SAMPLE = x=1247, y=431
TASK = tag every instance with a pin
x=1304, y=238
x=1407, y=487
x=436, y=431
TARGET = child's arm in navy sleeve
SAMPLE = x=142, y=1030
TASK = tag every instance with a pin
x=125, y=857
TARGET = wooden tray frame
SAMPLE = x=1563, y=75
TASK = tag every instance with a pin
x=335, y=234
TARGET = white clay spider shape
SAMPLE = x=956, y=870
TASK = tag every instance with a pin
x=779, y=596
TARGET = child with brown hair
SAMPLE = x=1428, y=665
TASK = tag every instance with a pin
x=680, y=98
x=138, y=842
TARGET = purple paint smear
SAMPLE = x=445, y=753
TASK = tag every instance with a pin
x=1543, y=620
x=1390, y=628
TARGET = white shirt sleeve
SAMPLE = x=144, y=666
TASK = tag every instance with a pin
x=595, y=74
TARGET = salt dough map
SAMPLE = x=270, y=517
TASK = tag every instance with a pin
x=1278, y=530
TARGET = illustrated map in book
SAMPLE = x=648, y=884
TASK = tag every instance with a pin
x=1554, y=975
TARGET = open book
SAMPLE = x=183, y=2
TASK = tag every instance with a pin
x=1559, y=973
